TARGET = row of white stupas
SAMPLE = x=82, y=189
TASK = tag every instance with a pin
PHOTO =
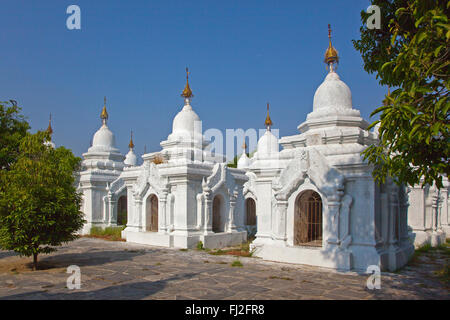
x=314, y=202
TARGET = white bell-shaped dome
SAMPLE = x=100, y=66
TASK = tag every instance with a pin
x=333, y=93
x=268, y=144
x=130, y=158
x=187, y=123
x=243, y=162
x=104, y=140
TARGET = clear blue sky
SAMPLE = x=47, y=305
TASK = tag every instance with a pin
x=241, y=54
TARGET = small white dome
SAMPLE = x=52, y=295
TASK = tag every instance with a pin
x=333, y=93
x=130, y=158
x=186, y=122
x=268, y=144
x=50, y=144
x=104, y=139
x=243, y=162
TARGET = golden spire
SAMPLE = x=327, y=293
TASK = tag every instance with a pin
x=268, y=122
x=131, y=144
x=187, y=92
x=244, y=146
x=104, y=114
x=49, y=129
x=331, y=55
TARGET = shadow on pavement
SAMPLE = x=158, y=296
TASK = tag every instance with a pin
x=130, y=291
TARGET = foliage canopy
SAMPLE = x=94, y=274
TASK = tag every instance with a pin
x=13, y=127
x=39, y=205
x=410, y=53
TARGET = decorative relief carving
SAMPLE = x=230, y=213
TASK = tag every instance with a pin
x=116, y=187
x=345, y=238
x=149, y=176
x=309, y=163
x=216, y=177
x=250, y=186
x=219, y=177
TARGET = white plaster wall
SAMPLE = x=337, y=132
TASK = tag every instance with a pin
x=264, y=208
x=362, y=212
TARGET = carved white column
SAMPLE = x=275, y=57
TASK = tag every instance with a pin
x=208, y=213
x=137, y=220
x=170, y=212
x=404, y=205
x=436, y=205
x=231, y=224
x=334, y=204
x=345, y=237
x=281, y=216
x=393, y=213
x=200, y=211
x=105, y=211
x=444, y=214
x=162, y=222
x=112, y=210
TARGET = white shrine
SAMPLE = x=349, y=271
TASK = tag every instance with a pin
x=428, y=214
x=314, y=202
x=179, y=196
x=317, y=202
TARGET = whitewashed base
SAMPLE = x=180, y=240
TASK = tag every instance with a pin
x=210, y=241
x=222, y=240
x=422, y=238
x=339, y=260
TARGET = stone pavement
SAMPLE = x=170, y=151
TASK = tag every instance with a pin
x=119, y=270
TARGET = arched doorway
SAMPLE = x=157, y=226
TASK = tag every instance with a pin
x=308, y=219
x=122, y=211
x=152, y=213
x=216, y=219
x=250, y=209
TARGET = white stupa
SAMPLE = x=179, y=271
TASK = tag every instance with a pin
x=268, y=143
x=102, y=164
x=50, y=143
x=268, y=148
x=130, y=158
x=244, y=161
x=317, y=203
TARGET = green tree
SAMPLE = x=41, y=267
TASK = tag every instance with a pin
x=233, y=164
x=410, y=53
x=39, y=205
x=13, y=128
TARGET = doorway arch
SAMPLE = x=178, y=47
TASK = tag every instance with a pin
x=216, y=218
x=250, y=210
x=152, y=213
x=308, y=226
x=122, y=211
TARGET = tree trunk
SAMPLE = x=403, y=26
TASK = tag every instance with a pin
x=35, y=261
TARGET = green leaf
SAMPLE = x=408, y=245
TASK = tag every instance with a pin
x=420, y=36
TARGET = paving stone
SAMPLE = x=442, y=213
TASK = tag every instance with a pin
x=119, y=270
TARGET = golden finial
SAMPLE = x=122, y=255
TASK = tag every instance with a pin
x=331, y=55
x=49, y=129
x=244, y=146
x=104, y=114
x=187, y=92
x=268, y=122
x=131, y=144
